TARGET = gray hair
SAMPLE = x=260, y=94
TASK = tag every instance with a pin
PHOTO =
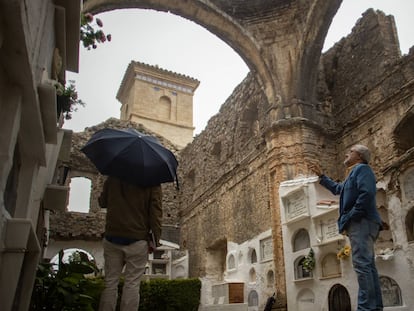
x=363, y=152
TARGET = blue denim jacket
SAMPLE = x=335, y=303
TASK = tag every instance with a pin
x=357, y=196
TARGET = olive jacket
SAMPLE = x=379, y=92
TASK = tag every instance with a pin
x=132, y=211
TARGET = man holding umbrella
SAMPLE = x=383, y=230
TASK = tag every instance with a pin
x=136, y=164
x=132, y=212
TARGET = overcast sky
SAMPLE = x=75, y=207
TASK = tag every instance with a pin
x=179, y=45
x=176, y=44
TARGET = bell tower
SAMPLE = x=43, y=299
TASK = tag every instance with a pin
x=159, y=99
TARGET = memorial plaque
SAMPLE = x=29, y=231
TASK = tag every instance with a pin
x=266, y=249
x=409, y=185
x=330, y=229
x=295, y=205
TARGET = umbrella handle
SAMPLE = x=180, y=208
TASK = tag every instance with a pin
x=177, y=186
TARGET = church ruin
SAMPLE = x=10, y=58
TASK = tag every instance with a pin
x=295, y=108
x=229, y=211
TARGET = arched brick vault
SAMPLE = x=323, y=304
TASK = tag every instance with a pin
x=280, y=40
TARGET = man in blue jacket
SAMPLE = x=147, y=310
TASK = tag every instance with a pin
x=360, y=221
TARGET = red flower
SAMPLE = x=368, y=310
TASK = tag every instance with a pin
x=89, y=17
x=89, y=36
x=99, y=22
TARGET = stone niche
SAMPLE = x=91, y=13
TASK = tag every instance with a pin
x=408, y=185
x=326, y=227
x=296, y=205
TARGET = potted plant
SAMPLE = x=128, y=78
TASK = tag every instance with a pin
x=67, y=99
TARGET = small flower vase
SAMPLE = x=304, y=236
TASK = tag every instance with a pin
x=63, y=104
x=309, y=261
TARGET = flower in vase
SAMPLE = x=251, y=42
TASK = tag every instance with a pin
x=309, y=262
x=344, y=252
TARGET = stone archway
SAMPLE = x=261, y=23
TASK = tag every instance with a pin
x=402, y=132
x=94, y=248
x=280, y=41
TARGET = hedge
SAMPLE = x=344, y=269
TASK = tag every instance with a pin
x=170, y=295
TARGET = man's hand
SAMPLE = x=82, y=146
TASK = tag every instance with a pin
x=315, y=169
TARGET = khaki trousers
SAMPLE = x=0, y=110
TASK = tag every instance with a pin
x=134, y=257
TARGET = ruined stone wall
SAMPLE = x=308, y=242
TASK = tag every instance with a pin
x=364, y=91
x=371, y=87
x=224, y=194
x=358, y=63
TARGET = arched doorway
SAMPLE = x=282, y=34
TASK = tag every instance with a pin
x=339, y=299
x=68, y=255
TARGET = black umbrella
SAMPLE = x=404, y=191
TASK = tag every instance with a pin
x=131, y=156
